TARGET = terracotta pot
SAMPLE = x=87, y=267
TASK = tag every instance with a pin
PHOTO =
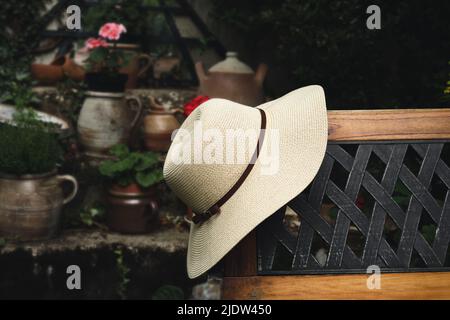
x=47, y=74
x=233, y=80
x=30, y=205
x=72, y=70
x=159, y=125
x=105, y=120
x=61, y=67
x=136, y=69
x=165, y=65
x=131, y=209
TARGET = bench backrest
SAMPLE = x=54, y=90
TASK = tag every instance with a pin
x=381, y=198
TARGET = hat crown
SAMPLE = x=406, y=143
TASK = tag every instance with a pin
x=210, y=152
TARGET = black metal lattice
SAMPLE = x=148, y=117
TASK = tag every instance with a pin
x=384, y=204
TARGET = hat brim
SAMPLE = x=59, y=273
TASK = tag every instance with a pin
x=300, y=118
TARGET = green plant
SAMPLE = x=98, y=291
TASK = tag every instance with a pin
x=168, y=292
x=90, y=216
x=103, y=53
x=122, y=271
x=429, y=232
x=127, y=12
x=27, y=150
x=401, y=195
x=22, y=22
x=129, y=167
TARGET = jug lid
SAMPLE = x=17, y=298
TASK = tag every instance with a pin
x=231, y=64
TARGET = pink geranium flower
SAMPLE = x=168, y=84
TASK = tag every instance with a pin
x=112, y=30
x=93, y=43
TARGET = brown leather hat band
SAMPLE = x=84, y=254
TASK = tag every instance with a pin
x=214, y=209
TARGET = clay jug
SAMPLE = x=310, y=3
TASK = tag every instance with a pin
x=233, y=80
x=131, y=209
x=30, y=205
x=137, y=66
x=105, y=120
x=159, y=125
x=57, y=70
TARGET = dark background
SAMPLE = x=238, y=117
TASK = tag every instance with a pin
x=405, y=64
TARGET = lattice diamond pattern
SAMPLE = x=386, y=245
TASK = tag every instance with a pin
x=369, y=204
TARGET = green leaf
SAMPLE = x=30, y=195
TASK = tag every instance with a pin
x=119, y=151
x=146, y=161
x=429, y=232
x=106, y=168
x=2, y=242
x=402, y=189
x=86, y=218
x=168, y=292
x=401, y=200
x=147, y=179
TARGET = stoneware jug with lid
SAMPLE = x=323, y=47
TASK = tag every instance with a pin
x=233, y=80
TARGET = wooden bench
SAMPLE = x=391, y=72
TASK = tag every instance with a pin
x=381, y=198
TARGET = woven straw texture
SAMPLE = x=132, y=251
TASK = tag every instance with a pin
x=296, y=139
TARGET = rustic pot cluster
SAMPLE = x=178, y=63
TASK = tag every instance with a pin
x=30, y=205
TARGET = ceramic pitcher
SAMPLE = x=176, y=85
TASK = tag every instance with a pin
x=159, y=125
x=30, y=205
x=105, y=120
x=233, y=80
x=138, y=62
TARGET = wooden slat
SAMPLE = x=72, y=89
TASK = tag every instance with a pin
x=404, y=124
x=424, y=285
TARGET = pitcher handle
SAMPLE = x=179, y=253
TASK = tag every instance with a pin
x=74, y=181
x=138, y=111
x=200, y=71
x=261, y=73
x=148, y=64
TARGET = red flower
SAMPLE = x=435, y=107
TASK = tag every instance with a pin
x=193, y=104
x=112, y=31
x=93, y=43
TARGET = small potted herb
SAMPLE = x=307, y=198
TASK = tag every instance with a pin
x=131, y=195
x=31, y=195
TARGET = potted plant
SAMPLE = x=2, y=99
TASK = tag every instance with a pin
x=105, y=119
x=131, y=196
x=31, y=195
x=105, y=60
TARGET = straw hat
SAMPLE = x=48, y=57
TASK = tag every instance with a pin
x=231, y=196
